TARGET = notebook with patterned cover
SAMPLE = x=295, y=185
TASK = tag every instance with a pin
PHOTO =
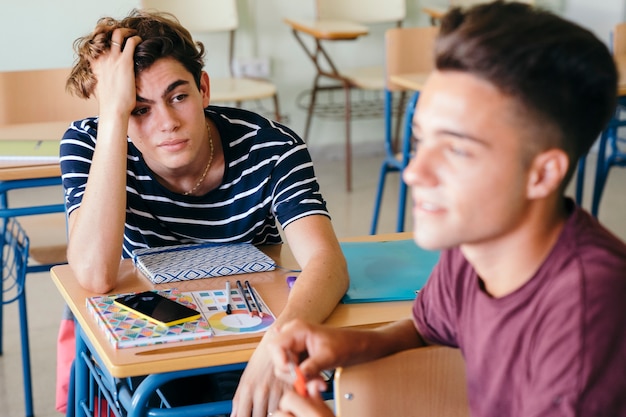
x=124, y=328
x=195, y=261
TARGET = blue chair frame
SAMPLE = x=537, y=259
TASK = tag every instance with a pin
x=393, y=163
x=6, y=215
x=14, y=269
x=609, y=141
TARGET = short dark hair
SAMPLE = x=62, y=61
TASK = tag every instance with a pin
x=162, y=36
x=560, y=73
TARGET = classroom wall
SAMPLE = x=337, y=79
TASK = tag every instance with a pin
x=39, y=34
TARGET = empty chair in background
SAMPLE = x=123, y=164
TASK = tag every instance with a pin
x=408, y=51
x=338, y=20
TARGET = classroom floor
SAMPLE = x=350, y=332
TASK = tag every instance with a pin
x=351, y=217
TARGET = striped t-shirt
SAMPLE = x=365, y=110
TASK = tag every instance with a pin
x=268, y=178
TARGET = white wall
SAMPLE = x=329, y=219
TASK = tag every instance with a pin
x=39, y=34
x=598, y=16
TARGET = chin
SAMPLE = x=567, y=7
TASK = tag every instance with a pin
x=429, y=241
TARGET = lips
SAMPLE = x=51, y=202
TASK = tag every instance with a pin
x=428, y=206
x=173, y=144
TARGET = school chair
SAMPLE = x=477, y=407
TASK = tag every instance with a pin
x=219, y=16
x=343, y=20
x=14, y=265
x=435, y=13
x=422, y=382
x=611, y=146
x=407, y=51
x=30, y=99
x=33, y=97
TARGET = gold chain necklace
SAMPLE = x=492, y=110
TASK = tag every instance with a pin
x=206, y=169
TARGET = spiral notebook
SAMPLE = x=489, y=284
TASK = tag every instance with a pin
x=196, y=261
x=391, y=270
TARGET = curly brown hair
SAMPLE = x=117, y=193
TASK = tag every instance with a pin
x=162, y=36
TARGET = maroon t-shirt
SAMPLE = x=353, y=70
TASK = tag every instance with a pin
x=554, y=347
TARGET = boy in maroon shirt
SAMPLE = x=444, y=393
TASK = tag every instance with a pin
x=531, y=288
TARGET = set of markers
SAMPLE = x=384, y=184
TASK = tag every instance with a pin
x=254, y=308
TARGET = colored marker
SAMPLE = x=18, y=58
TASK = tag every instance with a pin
x=228, y=307
x=291, y=279
x=258, y=306
x=243, y=294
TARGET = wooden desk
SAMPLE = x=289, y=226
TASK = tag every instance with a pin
x=328, y=29
x=35, y=168
x=28, y=170
x=435, y=14
x=411, y=81
x=36, y=131
x=218, y=351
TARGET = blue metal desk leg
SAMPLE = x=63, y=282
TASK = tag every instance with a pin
x=81, y=374
x=28, y=388
x=3, y=205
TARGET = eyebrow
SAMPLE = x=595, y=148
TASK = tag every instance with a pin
x=456, y=134
x=168, y=90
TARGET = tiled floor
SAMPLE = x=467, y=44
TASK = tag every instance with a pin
x=351, y=216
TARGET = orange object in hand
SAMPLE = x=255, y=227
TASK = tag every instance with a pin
x=299, y=381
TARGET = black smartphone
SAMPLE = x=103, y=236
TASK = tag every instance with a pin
x=157, y=308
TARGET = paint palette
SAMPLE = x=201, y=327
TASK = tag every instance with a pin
x=212, y=305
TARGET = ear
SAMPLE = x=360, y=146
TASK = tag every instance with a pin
x=205, y=88
x=547, y=171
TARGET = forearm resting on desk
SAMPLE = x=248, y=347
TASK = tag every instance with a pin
x=324, y=277
x=96, y=229
x=328, y=347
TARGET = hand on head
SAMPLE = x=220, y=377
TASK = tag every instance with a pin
x=114, y=72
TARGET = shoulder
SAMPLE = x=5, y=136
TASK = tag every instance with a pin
x=79, y=140
x=243, y=126
x=83, y=130
x=590, y=252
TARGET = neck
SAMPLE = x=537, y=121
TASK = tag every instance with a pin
x=506, y=264
x=207, y=167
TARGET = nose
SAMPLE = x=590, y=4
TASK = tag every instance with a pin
x=421, y=170
x=167, y=119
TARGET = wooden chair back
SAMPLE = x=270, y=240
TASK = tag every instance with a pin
x=420, y=382
x=362, y=11
x=469, y=3
x=199, y=15
x=40, y=96
x=619, y=39
x=409, y=50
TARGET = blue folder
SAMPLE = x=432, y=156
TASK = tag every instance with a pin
x=386, y=270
